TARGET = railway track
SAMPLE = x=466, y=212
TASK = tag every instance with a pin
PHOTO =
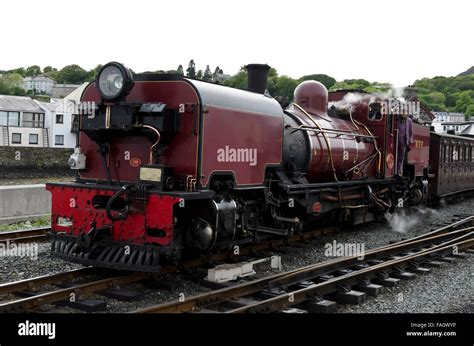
x=306, y=287
x=24, y=236
x=107, y=280
x=97, y=280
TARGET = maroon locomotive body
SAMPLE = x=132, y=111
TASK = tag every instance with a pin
x=169, y=166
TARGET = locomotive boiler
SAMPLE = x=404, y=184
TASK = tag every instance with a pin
x=323, y=147
x=169, y=166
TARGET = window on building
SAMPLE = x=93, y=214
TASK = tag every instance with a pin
x=9, y=118
x=33, y=119
x=59, y=118
x=16, y=138
x=13, y=119
x=59, y=140
x=3, y=118
x=33, y=138
x=444, y=128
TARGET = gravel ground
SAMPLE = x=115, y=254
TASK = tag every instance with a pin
x=452, y=292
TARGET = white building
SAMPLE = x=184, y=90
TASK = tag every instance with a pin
x=25, y=122
x=445, y=121
x=64, y=115
x=40, y=84
x=60, y=135
x=22, y=122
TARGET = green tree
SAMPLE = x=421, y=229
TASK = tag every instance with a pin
x=199, y=74
x=283, y=87
x=12, y=84
x=238, y=81
x=49, y=69
x=434, y=100
x=217, y=71
x=464, y=100
x=50, y=72
x=207, y=76
x=358, y=84
x=93, y=73
x=72, y=74
x=33, y=71
x=191, y=70
x=21, y=71
x=322, y=78
x=451, y=87
x=180, y=70
x=469, y=111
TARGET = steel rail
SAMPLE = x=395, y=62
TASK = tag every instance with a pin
x=24, y=236
x=312, y=271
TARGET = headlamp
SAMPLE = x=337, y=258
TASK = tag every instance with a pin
x=114, y=81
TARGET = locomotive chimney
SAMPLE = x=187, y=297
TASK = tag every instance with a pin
x=257, y=75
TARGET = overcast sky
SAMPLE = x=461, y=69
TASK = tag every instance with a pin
x=388, y=41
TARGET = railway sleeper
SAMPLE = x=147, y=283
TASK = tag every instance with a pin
x=87, y=305
x=318, y=304
x=351, y=297
x=370, y=288
x=385, y=280
x=448, y=259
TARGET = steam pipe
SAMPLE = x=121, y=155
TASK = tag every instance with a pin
x=155, y=144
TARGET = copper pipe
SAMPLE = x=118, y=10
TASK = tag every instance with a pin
x=381, y=191
x=344, y=198
x=156, y=143
x=326, y=139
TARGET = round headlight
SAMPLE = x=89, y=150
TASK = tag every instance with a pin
x=114, y=81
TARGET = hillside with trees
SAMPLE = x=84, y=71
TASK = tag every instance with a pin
x=453, y=94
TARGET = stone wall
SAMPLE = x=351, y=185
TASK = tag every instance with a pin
x=25, y=162
x=24, y=200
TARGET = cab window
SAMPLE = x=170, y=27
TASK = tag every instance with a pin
x=375, y=111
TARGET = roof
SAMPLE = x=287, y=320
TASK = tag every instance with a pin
x=447, y=135
x=223, y=96
x=48, y=105
x=19, y=103
x=77, y=93
x=38, y=79
x=62, y=90
x=468, y=131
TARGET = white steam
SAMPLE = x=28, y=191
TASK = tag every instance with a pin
x=353, y=98
x=400, y=222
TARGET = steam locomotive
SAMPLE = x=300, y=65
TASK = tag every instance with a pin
x=169, y=166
